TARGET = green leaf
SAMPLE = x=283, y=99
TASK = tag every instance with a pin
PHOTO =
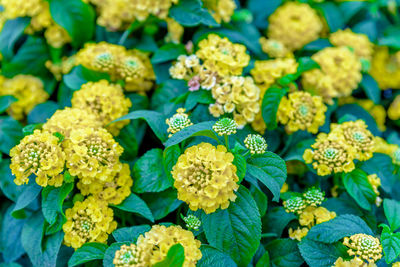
x=349, y=9
x=76, y=17
x=110, y=253
x=30, y=59
x=7, y=185
x=6, y=101
x=333, y=16
x=270, y=170
x=52, y=205
x=359, y=113
x=149, y=175
x=320, y=254
x=130, y=234
x=199, y=96
x=368, y=27
x=10, y=133
x=215, y=258
x=170, y=157
x=390, y=244
x=175, y=257
x=168, y=52
x=154, y=119
x=40, y=113
x=337, y=228
x=30, y=128
x=12, y=30
x=162, y=203
x=284, y=252
x=198, y=129
x=191, y=13
x=371, y=88
x=10, y=236
x=270, y=104
x=30, y=193
x=392, y=41
x=240, y=162
x=264, y=261
x=86, y=253
x=357, y=185
x=260, y=198
x=276, y=220
x=136, y=205
x=392, y=211
x=42, y=250
x=306, y=64
x=80, y=75
x=236, y=230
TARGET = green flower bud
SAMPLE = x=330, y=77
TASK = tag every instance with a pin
x=256, y=144
x=225, y=126
x=294, y=204
x=314, y=196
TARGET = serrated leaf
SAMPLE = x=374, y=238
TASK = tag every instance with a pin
x=284, y=252
x=214, y=257
x=136, y=205
x=191, y=13
x=270, y=170
x=198, y=129
x=236, y=230
x=337, y=228
x=390, y=244
x=358, y=187
x=391, y=208
x=76, y=17
x=86, y=253
x=371, y=88
x=270, y=105
x=80, y=75
x=168, y=52
x=130, y=234
x=175, y=257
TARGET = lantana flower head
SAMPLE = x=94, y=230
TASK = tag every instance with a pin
x=256, y=144
x=364, y=247
x=178, y=121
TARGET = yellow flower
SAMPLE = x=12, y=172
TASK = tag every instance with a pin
x=112, y=192
x=92, y=155
x=130, y=256
x=57, y=36
x=205, y=177
x=60, y=68
x=285, y=188
x=315, y=215
x=178, y=121
x=339, y=75
x=361, y=44
x=105, y=100
x=175, y=31
x=298, y=234
x=21, y=8
x=88, y=221
x=323, y=215
x=274, y=48
x=156, y=243
x=364, y=247
x=385, y=68
x=396, y=264
x=186, y=67
x=39, y=154
x=394, y=109
x=330, y=154
x=220, y=55
x=68, y=119
x=28, y=90
x=375, y=182
x=294, y=24
x=356, y=135
x=301, y=111
x=356, y=262
x=221, y=10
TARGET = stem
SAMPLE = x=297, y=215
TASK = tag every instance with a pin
x=246, y=154
x=134, y=26
x=226, y=141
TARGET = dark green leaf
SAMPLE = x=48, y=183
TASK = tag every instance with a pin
x=10, y=133
x=30, y=193
x=351, y=8
x=12, y=30
x=10, y=236
x=168, y=52
x=391, y=244
x=264, y=260
x=270, y=104
x=284, y=252
x=276, y=220
x=371, y=88
x=199, y=96
x=136, y=205
x=130, y=234
x=86, y=253
x=42, y=112
x=162, y=203
x=306, y=64
x=358, y=187
x=6, y=101
x=392, y=211
x=236, y=230
x=367, y=27
x=269, y=169
x=337, y=228
x=260, y=198
x=76, y=17
x=215, y=258
x=198, y=129
x=170, y=157
x=7, y=185
x=391, y=41
x=191, y=13
x=333, y=16
x=240, y=162
x=175, y=257
x=80, y=75
x=359, y=113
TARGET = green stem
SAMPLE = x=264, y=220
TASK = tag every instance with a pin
x=246, y=154
x=226, y=141
x=134, y=26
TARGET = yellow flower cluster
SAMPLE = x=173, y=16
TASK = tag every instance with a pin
x=130, y=256
x=356, y=135
x=175, y=31
x=39, y=12
x=274, y=49
x=375, y=182
x=385, y=68
x=156, y=243
x=132, y=66
x=394, y=109
x=41, y=154
x=339, y=75
x=178, y=121
x=114, y=191
x=119, y=14
x=361, y=44
x=364, y=247
x=88, y=221
x=392, y=150
x=27, y=89
x=356, y=262
x=92, y=155
x=221, y=10
x=68, y=119
x=294, y=25
x=205, y=177
x=301, y=111
x=220, y=55
x=61, y=68
x=104, y=100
